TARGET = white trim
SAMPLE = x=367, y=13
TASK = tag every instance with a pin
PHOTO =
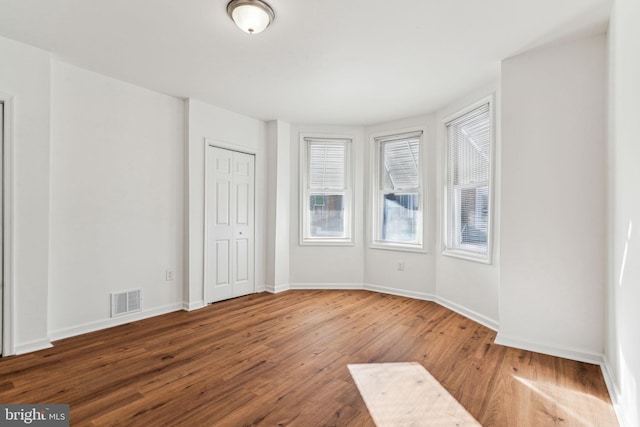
x=274, y=289
x=399, y=247
x=32, y=346
x=326, y=242
x=8, y=300
x=229, y=146
x=326, y=286
x=457, y=253
x=470, y=314
x=399, y=292
x=375, y=139
x=552, y=350
x=195, y=305
x=205, y=221
x=108, y=323
x=214, y=143
x=607, y=374
x=466, y=255
x=349, y=192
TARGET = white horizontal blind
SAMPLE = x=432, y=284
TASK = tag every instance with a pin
x=326, y=196
x=398, y=204
x=326, y=165
x=401, y=161
x=468, y=178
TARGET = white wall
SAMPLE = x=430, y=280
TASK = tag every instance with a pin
x=623, y=316
x=24, y=79
x=278, y=202
x=117, y=174
x=468, y=287
x=417, y=280
x=553, y=199
x=234, y=131
x=341, y=265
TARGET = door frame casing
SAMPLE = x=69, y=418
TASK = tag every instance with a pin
x=213, y=143
x=8, y=301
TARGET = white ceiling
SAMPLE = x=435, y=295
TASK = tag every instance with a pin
x=322, y=61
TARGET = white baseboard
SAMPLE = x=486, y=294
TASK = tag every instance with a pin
x=624, y=419
x=274, y=289
x=473, y=315
x=336, y=286
x=564, y=352
x=30, y=346
x=190, y=306
x=115, y=321
x=399, y=292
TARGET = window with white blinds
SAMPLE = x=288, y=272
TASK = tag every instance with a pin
x=327, y=165
x=468, y=190
x=398, y=199
x=326, y=193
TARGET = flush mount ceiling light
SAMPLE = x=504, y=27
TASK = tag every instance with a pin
x=251, y=16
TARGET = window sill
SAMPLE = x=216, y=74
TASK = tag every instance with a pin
x=398, y=247
x=467, y=255
x=327, y=242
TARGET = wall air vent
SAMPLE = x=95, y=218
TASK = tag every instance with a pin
x=125, y=303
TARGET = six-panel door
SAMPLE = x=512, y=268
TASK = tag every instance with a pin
x=230, y=224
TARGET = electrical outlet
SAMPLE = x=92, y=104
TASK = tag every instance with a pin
x=400, y=265
x=169, y=275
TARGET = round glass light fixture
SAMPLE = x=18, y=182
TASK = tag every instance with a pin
x=251, y=16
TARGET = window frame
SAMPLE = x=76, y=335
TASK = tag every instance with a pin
x=460, y=251
x=305, y=191
x=377, y=192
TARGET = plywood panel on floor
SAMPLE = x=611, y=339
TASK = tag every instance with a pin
x=405, y=394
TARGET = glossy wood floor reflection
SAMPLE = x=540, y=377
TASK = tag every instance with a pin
x=277, y=360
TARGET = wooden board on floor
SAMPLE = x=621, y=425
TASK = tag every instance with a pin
x=405, y=394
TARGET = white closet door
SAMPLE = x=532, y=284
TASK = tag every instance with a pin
x=230, y=224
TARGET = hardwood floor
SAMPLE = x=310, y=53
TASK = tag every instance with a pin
x=282, y=359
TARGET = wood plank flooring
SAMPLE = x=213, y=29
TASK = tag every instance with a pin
x=281, y=360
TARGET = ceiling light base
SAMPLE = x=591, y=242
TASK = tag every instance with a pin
x=251, y=16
